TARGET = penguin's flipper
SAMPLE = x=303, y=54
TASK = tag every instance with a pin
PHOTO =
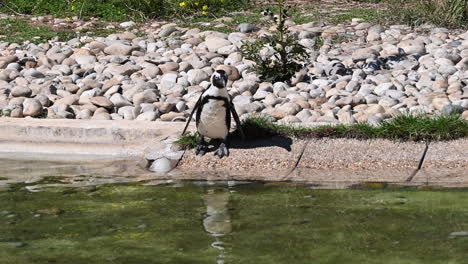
x=197, y=104
x=237, y=120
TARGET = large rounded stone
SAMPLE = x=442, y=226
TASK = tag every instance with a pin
x=33, y=73
x=439, y=103
x=71, y=87
x=382, y=88
x=346, y=117
x=84, y=114
x=413, y=47
x=196, y=76
x=21, y=91
x=119, y=49
x=147, y=96
x=233, y=73
x=171, y=116
x=214, y=43
x=245, y=85
x=68, y=100
x=147, y=116
x=374, y=33
x=364, y=54
x=290, y=108
x=122, y=69
x=101, y=116
x=226, y=50
x=97, y=45
x=452, y=109
x=83, y=59
x=119, y=101
x=169, y=67
x=32, y=107
x=166, y=30
x=127, y=24
x=151, y=71
x=465, y=115
x=101, y=101
x=374, y=109
x=289, y=120
x=166, y=107
x=162, y=165
x=43, y=99
x=17, y=112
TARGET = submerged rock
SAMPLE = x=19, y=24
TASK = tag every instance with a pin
x=162, y=165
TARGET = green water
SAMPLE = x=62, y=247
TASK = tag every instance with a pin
x=251, y=223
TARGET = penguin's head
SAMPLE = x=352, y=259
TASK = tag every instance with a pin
x=219, y=78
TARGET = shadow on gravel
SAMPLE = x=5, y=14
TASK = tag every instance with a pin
x=274, y=141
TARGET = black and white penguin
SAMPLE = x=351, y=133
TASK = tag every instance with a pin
x=337, y=68
x=213, y=115
x=385, y=63
x=267, y=13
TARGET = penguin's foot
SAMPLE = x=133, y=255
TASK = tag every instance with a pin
x=222, y=151
x=201, y=150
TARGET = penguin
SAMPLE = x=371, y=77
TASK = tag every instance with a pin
x=213, y=115
x=384, y=63
x=336, y=68
x=267, y=13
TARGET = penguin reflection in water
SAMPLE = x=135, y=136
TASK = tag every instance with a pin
x=213, y=115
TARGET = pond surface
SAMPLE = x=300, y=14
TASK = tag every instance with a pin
x=194, y=222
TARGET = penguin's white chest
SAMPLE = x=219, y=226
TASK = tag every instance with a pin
x=212, y=123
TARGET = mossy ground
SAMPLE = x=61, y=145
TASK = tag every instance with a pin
x=164, y=224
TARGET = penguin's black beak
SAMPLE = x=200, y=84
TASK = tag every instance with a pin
x=219, y=78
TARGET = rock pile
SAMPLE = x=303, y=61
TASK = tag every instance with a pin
x=161, y=76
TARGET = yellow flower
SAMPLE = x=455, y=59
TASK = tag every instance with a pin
x=204, y=13
x=183, y=4
x=205, y=7
x=68, y=19
x=196, y=3
x=73, y=8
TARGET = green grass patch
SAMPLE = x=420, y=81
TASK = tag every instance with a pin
x=122, y=10
x=299, y=15
x=402, y=127
x=209, y=22
x=19, y=30
x=447, y=13
x=305, y=14
x=15, y=30
x=188, y=141
x=368, y=15
x=409, y=127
